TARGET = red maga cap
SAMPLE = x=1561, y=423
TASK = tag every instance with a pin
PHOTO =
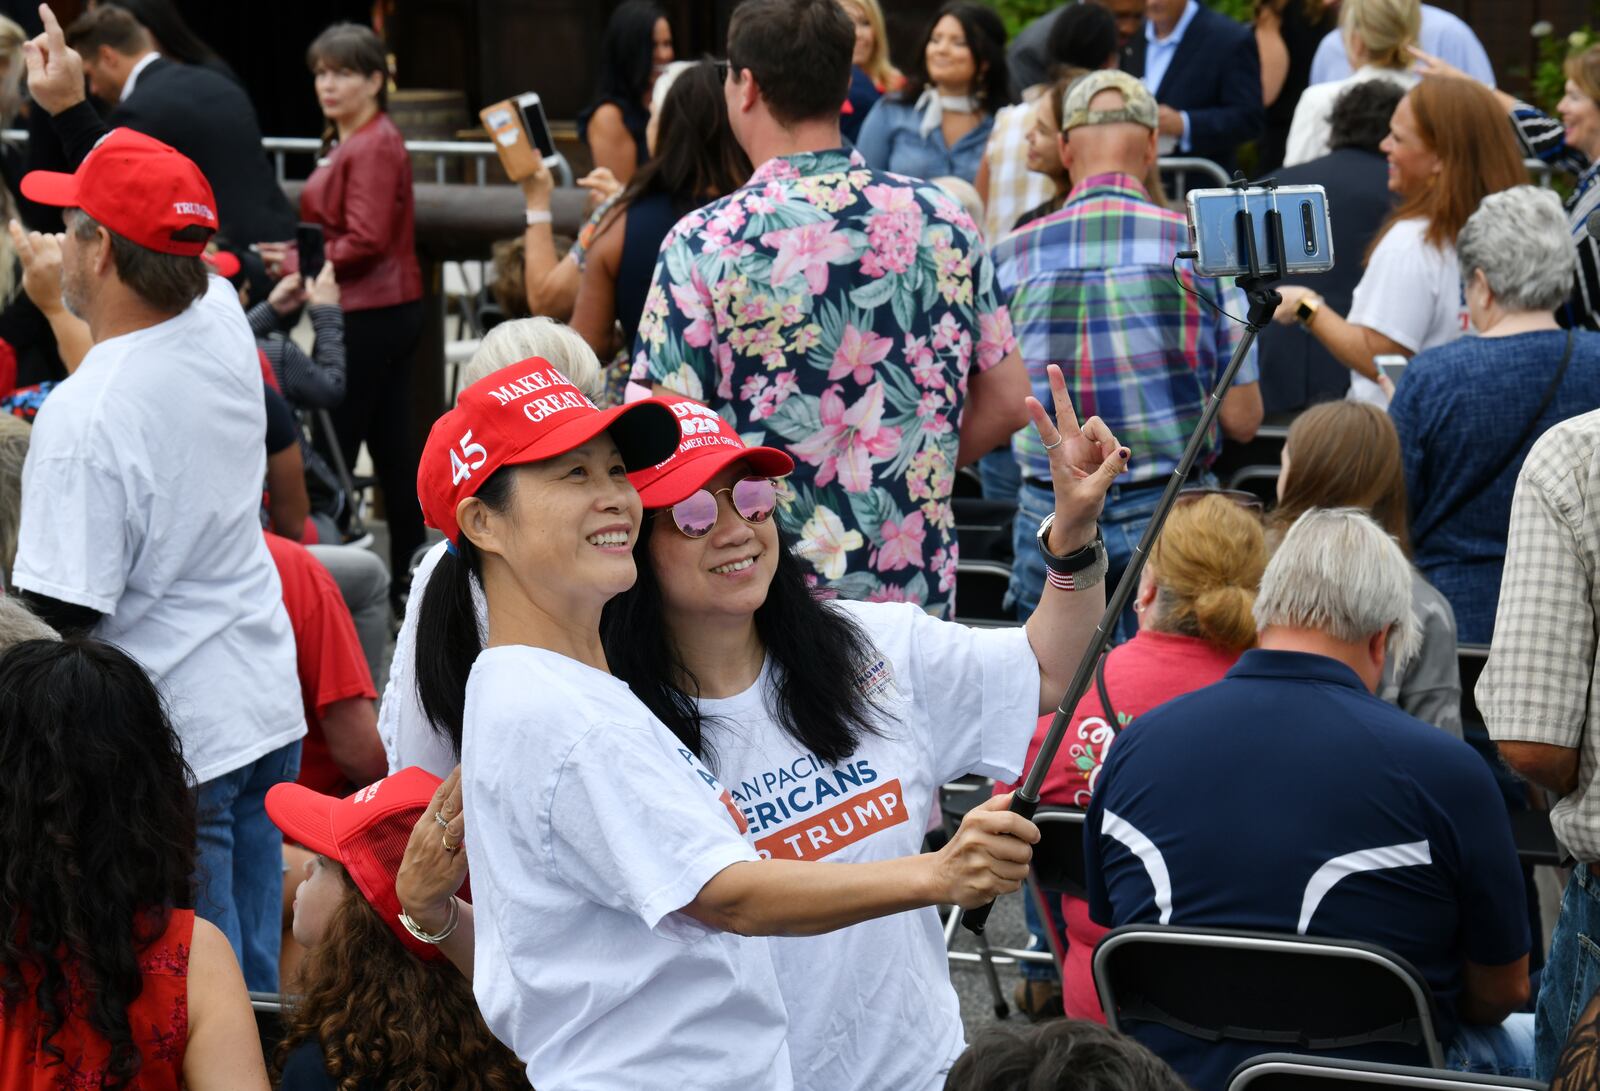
x=707, y=444
x=366, y=832
x=526, y=413
x=133, y=184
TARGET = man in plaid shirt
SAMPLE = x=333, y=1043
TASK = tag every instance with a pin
x=1539, y=693
x=1092, y=288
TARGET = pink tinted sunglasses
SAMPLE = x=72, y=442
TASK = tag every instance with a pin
x=754, y=499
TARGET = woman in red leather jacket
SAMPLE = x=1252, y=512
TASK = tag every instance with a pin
x=361, y=195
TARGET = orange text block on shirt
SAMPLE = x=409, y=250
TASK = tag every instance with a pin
x=828, y=831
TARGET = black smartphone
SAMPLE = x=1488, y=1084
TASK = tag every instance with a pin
x=536, y=124
x=308, y=241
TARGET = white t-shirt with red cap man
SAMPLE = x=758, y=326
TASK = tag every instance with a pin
x=870, y=1006
x=142, y=487
x=591, y=827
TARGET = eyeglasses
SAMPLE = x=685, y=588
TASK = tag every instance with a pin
x=722, y=68
x=754, y=499
x=1248, y=500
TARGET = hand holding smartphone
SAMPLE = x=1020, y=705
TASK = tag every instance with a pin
x=308, y=241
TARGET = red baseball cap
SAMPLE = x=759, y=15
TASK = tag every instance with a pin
x=223, y=262
x=525, y=413
x=366, y=832
x=133, y=184
x=707, y=445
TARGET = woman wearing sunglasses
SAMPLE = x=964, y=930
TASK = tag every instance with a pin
x=1195, y=596
x=831, y=724
x=614, y=886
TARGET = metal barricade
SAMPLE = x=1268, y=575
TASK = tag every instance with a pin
x=1180, y=167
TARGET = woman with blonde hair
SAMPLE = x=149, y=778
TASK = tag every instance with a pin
x=1194, y=602
x=871, y=73
x=1346, y=454
x=1378, y=36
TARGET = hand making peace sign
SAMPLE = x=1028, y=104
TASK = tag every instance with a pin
x=1084, y=462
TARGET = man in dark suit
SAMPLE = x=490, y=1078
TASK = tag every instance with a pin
x=1204, y=70
x=206, y=116
x=1296, y=371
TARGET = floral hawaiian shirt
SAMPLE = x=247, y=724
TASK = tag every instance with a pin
x=837, y=312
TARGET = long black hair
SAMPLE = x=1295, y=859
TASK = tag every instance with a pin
x=448, y=638
x=99, y=829
x=986, y=38
x=697, y=158
x=818, y=655
x=627, y=52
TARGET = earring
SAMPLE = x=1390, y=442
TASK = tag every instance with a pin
x=1138, y=607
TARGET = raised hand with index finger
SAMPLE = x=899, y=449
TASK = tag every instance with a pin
x=55, y=70
x=1084, y=461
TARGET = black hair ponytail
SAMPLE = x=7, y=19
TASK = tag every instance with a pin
x=448, y=636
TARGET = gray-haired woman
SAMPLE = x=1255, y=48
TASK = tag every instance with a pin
x=1467, y=412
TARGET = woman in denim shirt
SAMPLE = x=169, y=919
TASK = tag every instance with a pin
x=939, y=124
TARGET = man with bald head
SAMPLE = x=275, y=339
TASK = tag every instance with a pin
x=1091, y=289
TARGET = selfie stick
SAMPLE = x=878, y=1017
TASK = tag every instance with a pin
x=1264, y=300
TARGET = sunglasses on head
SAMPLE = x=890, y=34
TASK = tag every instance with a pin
x=753, y=499
x=1247, y=500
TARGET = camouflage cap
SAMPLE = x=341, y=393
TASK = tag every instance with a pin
x=1138, y=106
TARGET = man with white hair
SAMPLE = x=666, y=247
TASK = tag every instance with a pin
x=1288, y=798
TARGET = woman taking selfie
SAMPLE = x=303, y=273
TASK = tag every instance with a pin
x=596, y=833
x=360, y=194
x=832, y=725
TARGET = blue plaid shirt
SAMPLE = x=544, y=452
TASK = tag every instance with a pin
x=1091, y=288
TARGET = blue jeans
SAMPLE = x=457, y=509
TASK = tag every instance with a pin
x=1572, y=972
x=1505, y=1050
x=1122, y=524
x=1037, y=941
x=1000, y=474
x=238, y=877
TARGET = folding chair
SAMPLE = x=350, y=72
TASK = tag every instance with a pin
x=983, y=528
x=1057, y=866
x=1295, y=992
x=268, y=1008
x=981, y=588
x=1287, y=1072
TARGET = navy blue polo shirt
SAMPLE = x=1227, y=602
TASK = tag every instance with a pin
x=1286, y=798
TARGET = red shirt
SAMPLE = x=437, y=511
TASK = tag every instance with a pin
x=331, y=664
x=1149, y=670
x=158, y=1020
x=361, y=195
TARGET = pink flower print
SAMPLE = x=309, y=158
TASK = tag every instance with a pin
x=995, y=338
x=944, y=563
x=963, y=351
x=930, y=410
x=728, y=219
x=902, y=543
x=784, y=385
x=857, y=354
x=751, y=388
x=946, y=332
x=824, y=542
x=807, y=250
x=757, y=308
x=850, y=439
x=872, y=266
x=692, y=300
x=722, y=353
x=891, y=198
x=805, y=338
x=886, y=592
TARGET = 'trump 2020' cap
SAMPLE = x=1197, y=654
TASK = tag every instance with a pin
x=133, y=184
x=707, y=445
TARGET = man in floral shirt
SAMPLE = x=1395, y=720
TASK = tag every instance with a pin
x=843, y=314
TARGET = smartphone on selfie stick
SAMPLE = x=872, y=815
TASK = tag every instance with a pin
x=1239, y=228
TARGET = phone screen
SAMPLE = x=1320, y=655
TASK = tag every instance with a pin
x=1392, y=365
x=1216, y=234
x=537, y=125
x=308, y=241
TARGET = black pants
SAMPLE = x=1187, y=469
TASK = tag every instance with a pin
x=380, y=345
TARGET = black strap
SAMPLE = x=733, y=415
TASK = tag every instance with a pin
x=1466, y=495
x=1105, y=694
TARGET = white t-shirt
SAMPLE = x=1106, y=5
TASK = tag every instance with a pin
x=408, y=738
x=141, y=499
x=871, y=1006
x=1308, y=132
x=1411, y=292
x=591, y=827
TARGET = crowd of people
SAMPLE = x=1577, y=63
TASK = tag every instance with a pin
x=668, y=636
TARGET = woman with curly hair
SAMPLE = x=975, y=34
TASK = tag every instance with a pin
x=107, y=978
x=379, y=1005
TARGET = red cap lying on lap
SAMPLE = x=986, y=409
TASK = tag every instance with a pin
x=136, y=186
x=707, y=444
x=527, y=412
x=365, y=832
